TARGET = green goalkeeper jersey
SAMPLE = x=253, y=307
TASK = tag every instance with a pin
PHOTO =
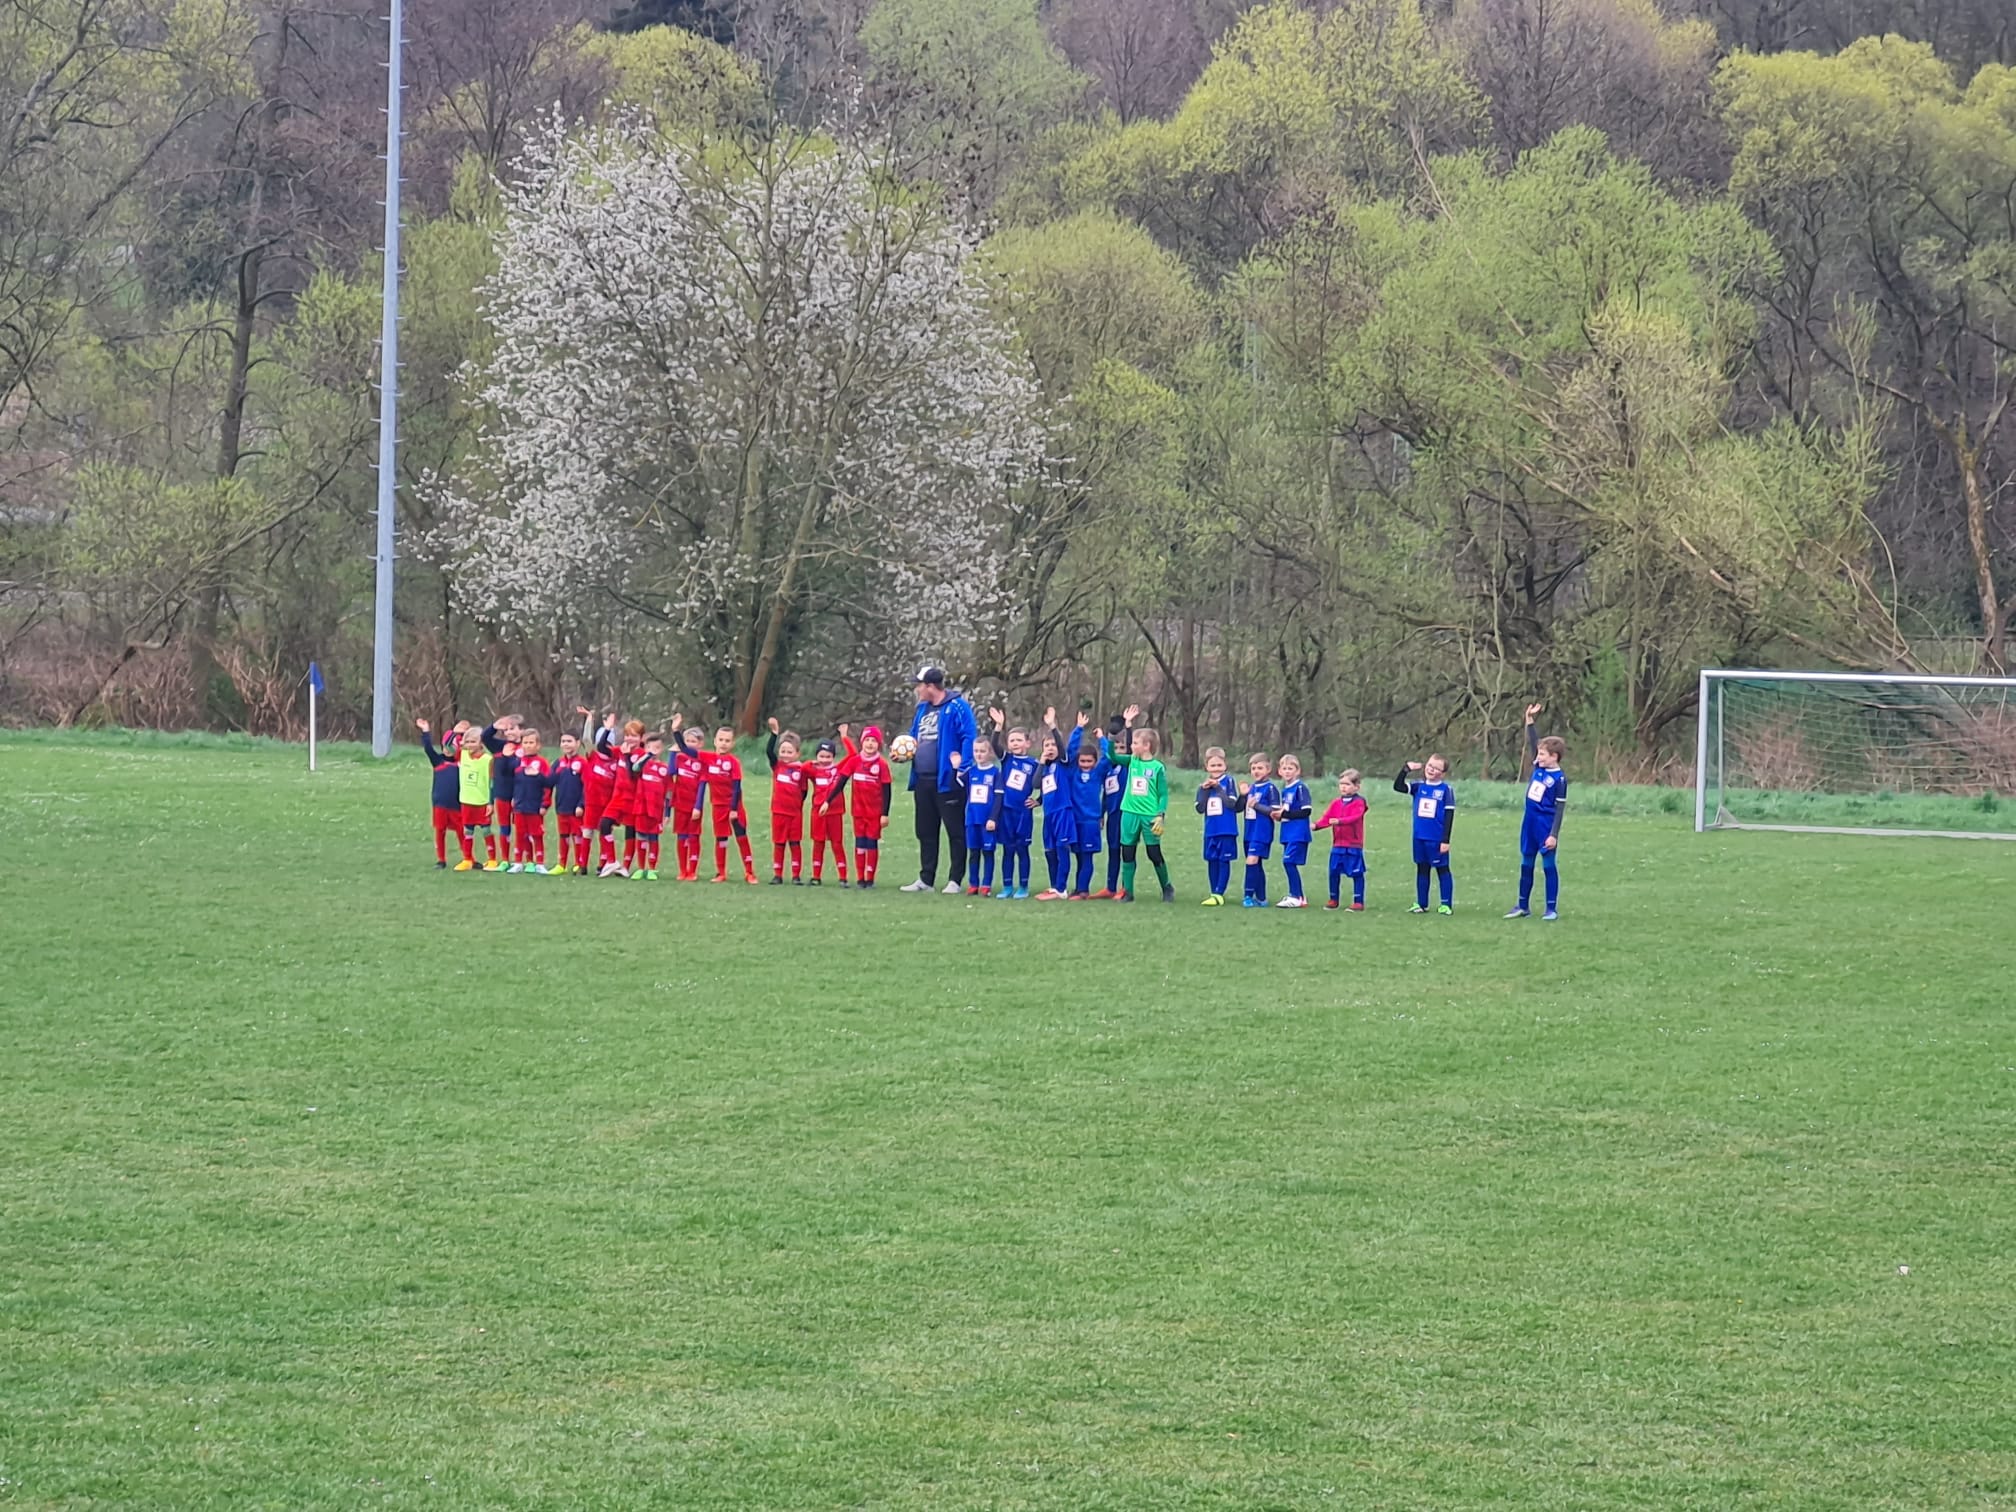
x=1144, y=791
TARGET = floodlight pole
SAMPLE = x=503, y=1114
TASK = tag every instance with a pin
x=388, y=398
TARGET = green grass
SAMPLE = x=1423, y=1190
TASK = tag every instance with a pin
x=331, y=1181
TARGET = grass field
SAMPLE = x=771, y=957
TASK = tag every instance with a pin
x=333, y=1181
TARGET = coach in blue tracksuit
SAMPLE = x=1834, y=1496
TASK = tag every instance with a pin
x=942, y=727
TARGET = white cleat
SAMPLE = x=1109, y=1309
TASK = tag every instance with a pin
x=514, y=868
x=952, y=889
x=920, y=885
x=1293, y=903
x=537, y=871
x=608, y=869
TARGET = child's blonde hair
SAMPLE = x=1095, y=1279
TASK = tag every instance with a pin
x=1349, y=774
x=1218, y=751
x=1154, y=740
x=1288, y=756
x=1259, y=756
x=1554, y=746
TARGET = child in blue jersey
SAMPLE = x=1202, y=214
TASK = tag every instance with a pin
x=1540, y=829
x=982, y=781
x=1018, y=809
x=1053, y=780
x=1434, y=803
x=1291, y=812
x=1218, y=802
x=1262, y=798
x=1088, y=772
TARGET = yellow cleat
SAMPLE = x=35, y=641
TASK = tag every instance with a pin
x=465, y=866
x=558, y=871
x=493, y=866
x=1214, y=901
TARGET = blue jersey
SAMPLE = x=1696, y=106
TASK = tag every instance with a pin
x=1088, y=794
x=1295, y=822
x=1261, y=799
x=983, y=794
x=1434, y=806
x=1218, y=802
x=1546, y=795
x=1054, y=782
x=1018, y=786
x=1110, y=776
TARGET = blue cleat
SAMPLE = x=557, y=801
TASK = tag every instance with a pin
x=1549, y=917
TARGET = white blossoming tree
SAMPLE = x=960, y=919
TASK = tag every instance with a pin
x=740, y=401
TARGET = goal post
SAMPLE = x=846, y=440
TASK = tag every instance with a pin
x=1856, y=753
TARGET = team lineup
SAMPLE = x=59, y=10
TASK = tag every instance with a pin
x=993, y=793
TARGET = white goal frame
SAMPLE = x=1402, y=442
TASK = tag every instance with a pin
x=1712, y=680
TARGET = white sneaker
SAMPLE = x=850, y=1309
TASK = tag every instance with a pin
x=608, y=869
x=951, y=889
x=514, y=868
x=1293, y=903
x=920, y=885
x=622, y=871
x=538, y=871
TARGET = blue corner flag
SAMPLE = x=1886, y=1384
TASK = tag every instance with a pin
x=315, y=677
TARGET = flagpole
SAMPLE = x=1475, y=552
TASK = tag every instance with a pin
x=388, y=399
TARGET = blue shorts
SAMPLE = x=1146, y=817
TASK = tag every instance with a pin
x=1260, y=850
x=1533, y=837
x=1294, y=852
x=981, y=838
x=1220, y=847
x=1347, y=861
x=1429, y=853
x=1017, y=826
x=1060, y=830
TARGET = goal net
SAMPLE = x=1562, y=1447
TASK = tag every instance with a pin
x=1857, y=754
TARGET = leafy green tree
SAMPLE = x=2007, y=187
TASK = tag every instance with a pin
x=1887, y=190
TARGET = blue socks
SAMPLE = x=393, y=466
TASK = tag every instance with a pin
x=1294, y=879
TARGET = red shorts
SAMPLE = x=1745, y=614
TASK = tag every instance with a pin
x=591, y=813
x=786, y=827
x=475, y=815
x=683, y=822
x=570, y=825
x=503, y=808
x=531, y=824
x=447, y=818
x=869, y=826
x=724, y=817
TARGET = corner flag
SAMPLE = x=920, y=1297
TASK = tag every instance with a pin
x=314, y=696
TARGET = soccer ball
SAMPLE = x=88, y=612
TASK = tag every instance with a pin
x=902, y=748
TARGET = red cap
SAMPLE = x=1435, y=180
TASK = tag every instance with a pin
x=874, y=733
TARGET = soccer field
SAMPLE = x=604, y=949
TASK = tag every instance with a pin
x=334, y=1181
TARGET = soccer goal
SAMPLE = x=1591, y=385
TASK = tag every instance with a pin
x=1857, y=754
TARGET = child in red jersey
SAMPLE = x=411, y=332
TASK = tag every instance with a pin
x=570, y=802
x=723, y=774
x=531, y=792
x=689, y=793
x=447, y=795
x=621, y=808
x=870, y=781
x=598, y=789
x=787, y=805
x=1345, y=819
x=826, y=786
x=652, y=780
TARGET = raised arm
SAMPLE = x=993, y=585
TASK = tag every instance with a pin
x=1401, y=784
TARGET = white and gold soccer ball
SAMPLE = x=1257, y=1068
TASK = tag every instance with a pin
x=902, y=748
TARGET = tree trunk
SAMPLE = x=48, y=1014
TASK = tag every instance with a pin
x=1980, y=547
x=1192, y=693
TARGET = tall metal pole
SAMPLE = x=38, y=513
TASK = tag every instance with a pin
x=388, y=399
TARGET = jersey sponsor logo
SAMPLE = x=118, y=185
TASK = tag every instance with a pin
x=1113, y=783
x=1426, y=807
x=1018, y=779
x=1139, y=786
x=1049, y=782
x=1537, y=793
x=1215, y=807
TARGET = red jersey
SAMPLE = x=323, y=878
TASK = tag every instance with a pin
x=723, y=774
x=653, y=781
x=598, y=778
x=623, y=794
x=787, y=791
x=687, y=772
x=823, y=782
x=869, y=774
x=1345, y=819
